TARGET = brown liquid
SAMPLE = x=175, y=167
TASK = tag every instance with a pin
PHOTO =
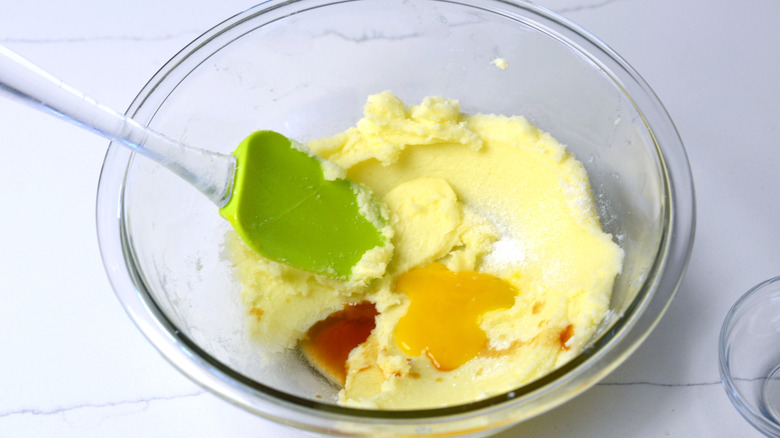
x=330, y=341
x=566, y=334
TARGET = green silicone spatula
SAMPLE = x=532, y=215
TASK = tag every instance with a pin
x=284, y=202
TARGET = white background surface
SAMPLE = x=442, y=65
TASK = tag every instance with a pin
x=73, y=365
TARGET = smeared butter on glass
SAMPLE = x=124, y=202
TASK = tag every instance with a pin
x=501, y=63
x=484, y=193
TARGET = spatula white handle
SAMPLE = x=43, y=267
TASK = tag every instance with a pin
x=210, y=172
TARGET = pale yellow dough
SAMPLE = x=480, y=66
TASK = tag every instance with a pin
x=483, y=192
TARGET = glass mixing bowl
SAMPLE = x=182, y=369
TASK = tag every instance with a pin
x=305, y=68
x=749, y=353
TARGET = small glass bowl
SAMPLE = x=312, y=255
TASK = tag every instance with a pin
x=749, y=351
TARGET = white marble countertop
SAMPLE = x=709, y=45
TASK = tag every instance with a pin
x=75, y=370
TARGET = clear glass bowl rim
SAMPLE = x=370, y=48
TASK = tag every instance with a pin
x=611, y=349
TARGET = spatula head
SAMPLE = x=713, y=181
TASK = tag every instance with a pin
x=284, y=208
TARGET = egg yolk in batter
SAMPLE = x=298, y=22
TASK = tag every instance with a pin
x=445, y=308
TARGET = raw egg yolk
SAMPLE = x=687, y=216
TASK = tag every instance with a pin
x=445, y=309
